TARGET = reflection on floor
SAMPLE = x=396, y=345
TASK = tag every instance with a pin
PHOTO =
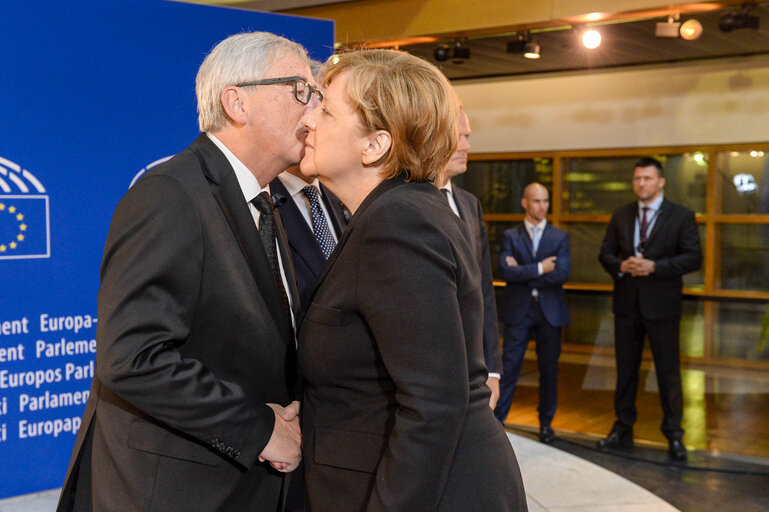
x=726, y=410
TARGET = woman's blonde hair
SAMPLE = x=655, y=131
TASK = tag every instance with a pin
x=409, y=98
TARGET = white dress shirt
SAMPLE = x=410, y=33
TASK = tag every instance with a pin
x=651, y=218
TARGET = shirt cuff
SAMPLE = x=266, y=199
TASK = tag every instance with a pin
x=539, y=268
x=494, y=375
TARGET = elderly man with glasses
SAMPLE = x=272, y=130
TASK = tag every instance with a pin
x=192, y=404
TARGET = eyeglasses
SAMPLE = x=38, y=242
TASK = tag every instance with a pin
x=303, y=91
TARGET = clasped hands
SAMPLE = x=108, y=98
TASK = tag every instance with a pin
x=284, y=449
x=548, y=264
x=637, y=267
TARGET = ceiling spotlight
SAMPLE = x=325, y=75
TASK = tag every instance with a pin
x=591, y=39
x=457, y=53
x=531, y=50
x=442, y=53
x=518, y=44
x=523, y=44
x=734, y=20
x=690, y=30
x=668, y=28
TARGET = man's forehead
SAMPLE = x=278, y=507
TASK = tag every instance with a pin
x=289, y=64
x=644, y=171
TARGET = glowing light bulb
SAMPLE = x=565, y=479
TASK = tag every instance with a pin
x=591, y=39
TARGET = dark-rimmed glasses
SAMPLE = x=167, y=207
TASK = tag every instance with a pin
x=303, y=91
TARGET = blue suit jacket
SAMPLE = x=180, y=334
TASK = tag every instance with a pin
x=306, y=254
x=524, y=277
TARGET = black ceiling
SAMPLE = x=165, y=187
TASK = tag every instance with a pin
x=623, y=44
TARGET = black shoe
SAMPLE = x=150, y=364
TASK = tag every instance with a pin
x=616, y=439
x=677, y=450
x=546, y=434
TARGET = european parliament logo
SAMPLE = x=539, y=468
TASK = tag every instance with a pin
x=25, y=231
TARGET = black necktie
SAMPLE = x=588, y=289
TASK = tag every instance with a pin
x=267, y=229
x=644, y=228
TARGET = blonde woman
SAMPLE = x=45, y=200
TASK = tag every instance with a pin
x=395, y=414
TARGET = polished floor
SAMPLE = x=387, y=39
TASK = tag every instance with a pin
x=726, y=410
x=726, y=419
x=555, y=481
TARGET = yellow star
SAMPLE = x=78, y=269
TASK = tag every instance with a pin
x=12, y=209
x=2, y=248
x=2, y=206
x=19, y=217
x=20, y=237
x=22, y=227
x=13, y=245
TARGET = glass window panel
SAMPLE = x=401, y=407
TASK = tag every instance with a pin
x=494, y=231
x=737, y=333
x=744, y=256
x=585, y=243
x=499, y=183
x=601, y=185
x=743, y=177
x=696, y=280
x=592, y=322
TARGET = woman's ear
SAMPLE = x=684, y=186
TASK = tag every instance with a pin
x=378, y=145
x=232, y=102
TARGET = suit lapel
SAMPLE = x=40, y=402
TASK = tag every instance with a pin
x=229, y=195
x=525, y=247
x=464, y=207
x=288, y=266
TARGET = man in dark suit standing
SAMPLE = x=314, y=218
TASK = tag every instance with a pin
x=314, y=221
x=195, y=344
x=468, y=208
x=535, y=261
x=648, y=247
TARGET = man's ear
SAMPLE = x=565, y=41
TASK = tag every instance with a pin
x=232, y=101
x=379, y=144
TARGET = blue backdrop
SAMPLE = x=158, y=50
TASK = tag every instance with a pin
x=92, y=92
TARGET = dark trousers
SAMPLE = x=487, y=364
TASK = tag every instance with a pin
x=629, y=333
x=548, y=347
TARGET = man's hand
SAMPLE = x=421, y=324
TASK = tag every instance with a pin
x=644, y=267
x=493, y=385
x=284, y=449
x=548, y=264
x=637, y=267
x=511, y=261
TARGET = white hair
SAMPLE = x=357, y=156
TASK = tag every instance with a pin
x=240, y=58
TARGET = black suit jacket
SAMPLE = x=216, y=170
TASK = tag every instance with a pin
x=522, y=278
x=306, y=254
x=673, y=245
x=396, y=412
x=471, y=212
x=191, y=344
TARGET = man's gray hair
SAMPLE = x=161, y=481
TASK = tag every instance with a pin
x=240, y=58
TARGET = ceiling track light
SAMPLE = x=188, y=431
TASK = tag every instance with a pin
x=532, y=50
x=689, y=30
x=525, y=45
x=733, y=20
x=457, y=53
